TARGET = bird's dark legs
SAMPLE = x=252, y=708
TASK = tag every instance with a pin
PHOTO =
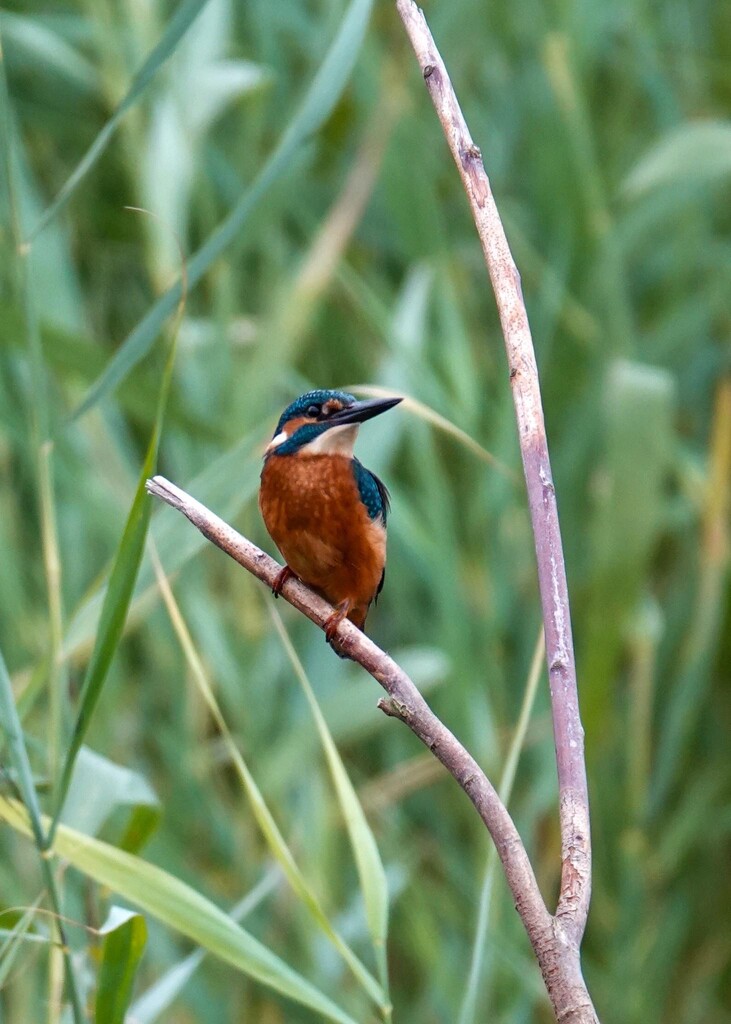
x=341, y=612
x=282, y=576
x=331, y=625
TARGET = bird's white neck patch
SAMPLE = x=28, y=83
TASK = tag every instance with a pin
x=275, y=442
x=335, y=441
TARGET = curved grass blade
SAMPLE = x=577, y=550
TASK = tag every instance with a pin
x=265, y=819
x=321, y=97
x=14, y=939
x=683, y=702
x=111, y=624
x=45, y=51
x=469, y=1003
x=180, y=907
x=367, y=858
x=39, y=418
x=696, y=152
x=435, y=419
x=179, y=24
x=161, y=994
x=99, y=788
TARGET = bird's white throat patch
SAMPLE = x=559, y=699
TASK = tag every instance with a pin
x=335, y=441
x=275, y=442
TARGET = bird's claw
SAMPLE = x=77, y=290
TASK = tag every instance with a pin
x=331, y=625
x=282, y=576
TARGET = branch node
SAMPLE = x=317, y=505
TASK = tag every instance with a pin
x=394, y=708
x=547, y=481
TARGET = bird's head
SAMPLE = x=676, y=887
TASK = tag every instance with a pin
x=323, y=423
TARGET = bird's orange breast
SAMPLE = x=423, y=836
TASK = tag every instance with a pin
x=312, y=508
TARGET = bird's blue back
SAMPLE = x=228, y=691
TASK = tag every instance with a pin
x=373, y=492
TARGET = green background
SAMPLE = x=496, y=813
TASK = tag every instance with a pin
x=351, y=259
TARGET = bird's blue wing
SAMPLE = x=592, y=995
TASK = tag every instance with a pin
x=373, y=492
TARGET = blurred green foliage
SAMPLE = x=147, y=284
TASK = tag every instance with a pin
x=605, y=130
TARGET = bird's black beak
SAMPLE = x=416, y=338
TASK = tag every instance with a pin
x=359, y=412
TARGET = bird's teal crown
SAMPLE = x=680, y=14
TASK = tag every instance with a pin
x=310, y=404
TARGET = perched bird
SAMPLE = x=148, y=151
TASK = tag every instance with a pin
x=323, y=509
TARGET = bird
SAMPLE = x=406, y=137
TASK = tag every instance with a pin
x=322, y=508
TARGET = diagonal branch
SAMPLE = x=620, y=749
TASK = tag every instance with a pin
x=404, y=701
x=573, y=903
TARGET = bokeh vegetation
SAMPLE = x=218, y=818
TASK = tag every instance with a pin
x=329, y=245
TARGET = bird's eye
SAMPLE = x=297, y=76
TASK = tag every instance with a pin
x=313, y=411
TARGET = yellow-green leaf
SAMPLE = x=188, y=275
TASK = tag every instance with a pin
x=181, y=907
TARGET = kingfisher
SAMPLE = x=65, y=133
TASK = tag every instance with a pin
x=323, y=509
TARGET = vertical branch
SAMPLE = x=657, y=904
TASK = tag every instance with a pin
x=573, y=904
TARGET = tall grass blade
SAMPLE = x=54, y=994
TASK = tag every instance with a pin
x=99, y=787
x=182, y=19
x=122, y=579
x=626, y=523
x=435, y=419
x=39, y=414
x=111, y=625
x=265, y=819
x=42, y=47
x=363, y=844
x=467, y=1013
x=683, y=703
x=226, y=484
x=321, y=97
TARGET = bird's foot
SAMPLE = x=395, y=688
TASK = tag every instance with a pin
x=282, y=576
x=331, y=625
